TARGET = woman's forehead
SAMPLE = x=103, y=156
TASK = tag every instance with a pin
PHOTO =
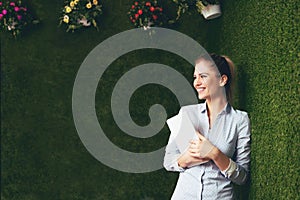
x=205, y=66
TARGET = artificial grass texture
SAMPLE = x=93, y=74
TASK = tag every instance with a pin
x=42, y=156
x=262, y=37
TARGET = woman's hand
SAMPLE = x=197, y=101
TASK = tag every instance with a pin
x=193, y=155
x=187, y=160
x=201, y=148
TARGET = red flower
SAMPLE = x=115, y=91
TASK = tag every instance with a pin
x=154, y=17
x=148, y=3
x=136, y=16
x=140, y=12
x=152, y=9
x=136, y=3
x=160, y=9
x=132, y=7
x=133, y=20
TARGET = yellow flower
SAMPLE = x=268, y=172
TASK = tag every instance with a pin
x=76, y=2
x=66, y=19
x=72, y=4
x=68, y=9
x=89, y=5
x=95, y=2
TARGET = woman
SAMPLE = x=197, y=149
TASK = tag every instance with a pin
x=219, y=155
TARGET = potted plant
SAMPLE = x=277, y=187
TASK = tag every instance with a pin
x=78, y=14
x=210, y=9
x=146, y=13
x=14, y=17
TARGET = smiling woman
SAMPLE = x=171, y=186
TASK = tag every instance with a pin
x=224, y=69
x=223, y=137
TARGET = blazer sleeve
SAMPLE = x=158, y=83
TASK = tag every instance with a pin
x=171, y=155
x=242, y=158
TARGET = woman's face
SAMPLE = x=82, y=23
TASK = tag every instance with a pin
x=207, y=80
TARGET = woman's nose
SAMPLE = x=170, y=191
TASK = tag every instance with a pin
x=198, y=81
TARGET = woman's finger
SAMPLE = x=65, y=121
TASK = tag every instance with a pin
x=201, y=137
x=195, y=154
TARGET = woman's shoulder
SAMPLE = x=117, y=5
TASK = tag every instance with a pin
x=239, y=112
x=240, y=115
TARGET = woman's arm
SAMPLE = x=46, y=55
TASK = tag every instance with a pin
x=175, y=161
x=171, y=155
x=236, y=170
x=186, y=160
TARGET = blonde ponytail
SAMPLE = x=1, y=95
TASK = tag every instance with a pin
x=232, y=71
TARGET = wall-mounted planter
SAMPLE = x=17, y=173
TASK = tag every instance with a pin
x=211, y=11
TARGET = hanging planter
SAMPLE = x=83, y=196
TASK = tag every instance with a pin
x=84, y=22
x=146, y=13
x=211, y=11
x=14, y=17
x=78, y=14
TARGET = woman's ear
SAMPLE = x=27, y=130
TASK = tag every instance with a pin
x=223, y=80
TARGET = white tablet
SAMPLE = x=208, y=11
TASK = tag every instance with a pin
x=182, y=129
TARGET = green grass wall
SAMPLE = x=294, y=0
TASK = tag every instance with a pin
x=262, y=37
x=42, y=156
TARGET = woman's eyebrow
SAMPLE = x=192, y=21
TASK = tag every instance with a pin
x=201, y=73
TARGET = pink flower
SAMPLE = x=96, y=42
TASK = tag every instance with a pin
x=19, y=17
x=0, y=3
x=1, y=16
x=24, y=9
x=4, y=12
x=12, y=3
x=17, y=8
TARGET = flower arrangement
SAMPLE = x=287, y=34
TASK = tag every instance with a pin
x=14, y=16
x=185, y=5
x=146, y=14
x=80, y=13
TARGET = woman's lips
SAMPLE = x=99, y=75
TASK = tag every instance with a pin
x=200, y=89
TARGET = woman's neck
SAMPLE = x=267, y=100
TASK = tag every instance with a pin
x=214, y=107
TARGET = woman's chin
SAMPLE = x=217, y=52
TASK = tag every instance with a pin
x=201, y=97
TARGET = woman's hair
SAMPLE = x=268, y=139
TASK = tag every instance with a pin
x=225, y=67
